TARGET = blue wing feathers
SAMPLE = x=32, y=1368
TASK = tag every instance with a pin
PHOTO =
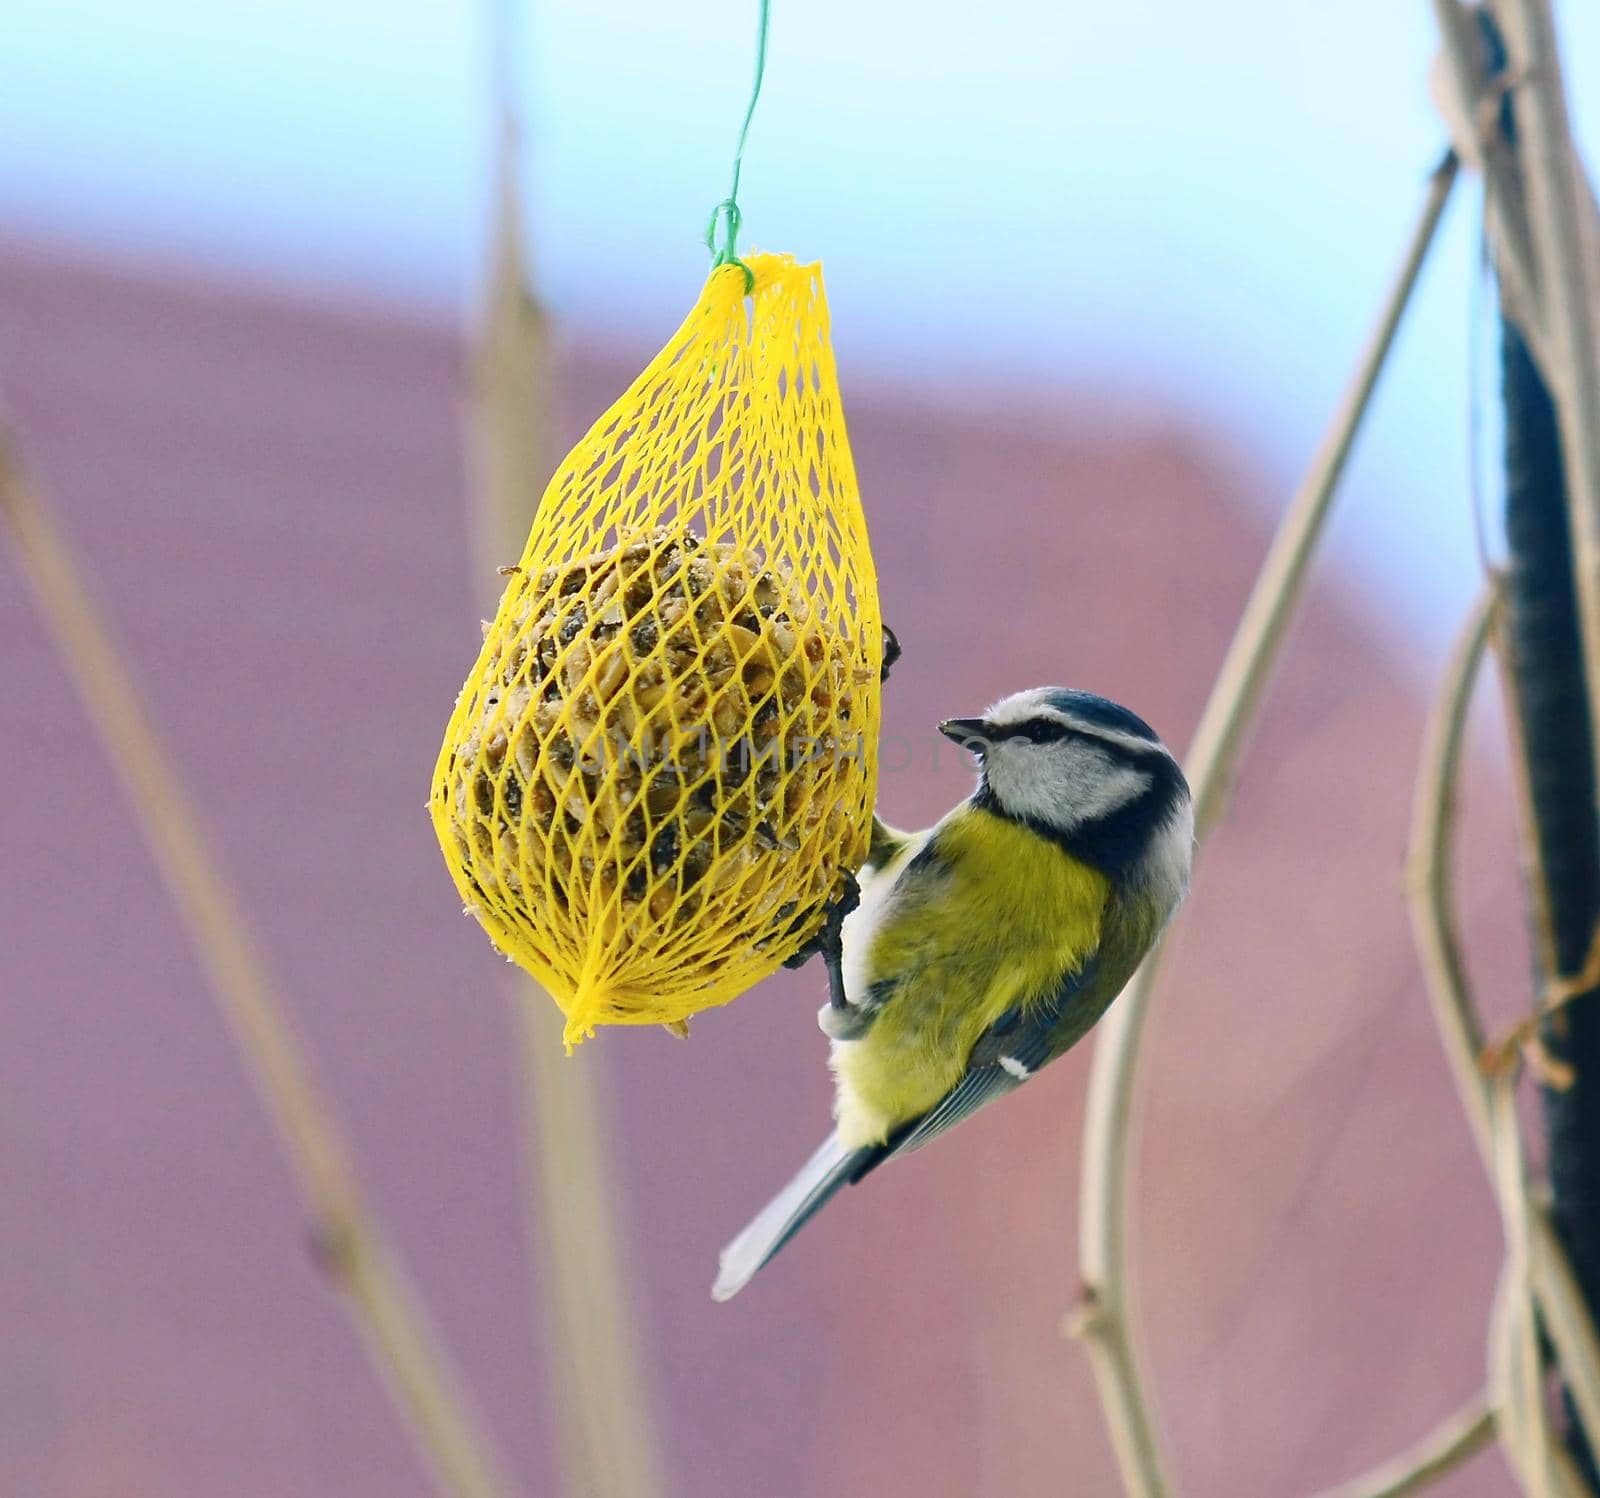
x=1005, y=1056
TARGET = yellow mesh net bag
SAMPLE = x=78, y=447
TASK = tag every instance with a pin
x=664, y=761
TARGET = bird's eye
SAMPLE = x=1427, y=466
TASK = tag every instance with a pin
x=1043, y=731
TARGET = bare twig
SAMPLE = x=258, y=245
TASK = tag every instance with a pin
x=607, y=1432
x=1511, y=1331
x=1429, y=888
x=1430, y=883
x=1455, y=1440
x=349, y=1245
x=508, y=437
x=1521, y=1400
x=1106, y=1320
x=1566, y=1316
x=1429, y=875
x=1500, y=1357
x=1470, y=107
x=1556, y=486
x=1567, y=1320
x=604, y=1419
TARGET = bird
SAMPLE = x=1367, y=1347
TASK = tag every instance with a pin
x=978, y=951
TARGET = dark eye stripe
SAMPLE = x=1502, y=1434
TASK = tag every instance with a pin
x=1054, y=731
x=1043, y=731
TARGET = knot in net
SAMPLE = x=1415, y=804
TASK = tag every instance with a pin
x=664, y=760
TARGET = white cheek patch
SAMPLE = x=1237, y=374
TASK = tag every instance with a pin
x=1062, y=785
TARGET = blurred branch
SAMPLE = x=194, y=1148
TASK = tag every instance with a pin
x=1430, y=883
x=1551, y=394
x=1429, y=875
x=509, y=376
x=1566, y=1320
x=604, y=1423
x=1455, y=1440
x=1105, y=1317
x=348, y=1243
x=605, y=1404
x=1470, y=94
x=1512, y=1329
x=1516, y=1369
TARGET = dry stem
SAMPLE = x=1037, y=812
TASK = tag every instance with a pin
x=349, y=1245
x=1520, y=1398
x=1103, y=1247
x=1478, y=139
x=1456, y=1439
x=605, y=1406
x=1429, y=872
x=1566, y=1315
x=1566, y=1320
x=1429, y=896
x=603, y=1423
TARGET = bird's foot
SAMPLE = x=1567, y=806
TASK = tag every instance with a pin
x=891, y=652
x=829, y=939
x=832, y=938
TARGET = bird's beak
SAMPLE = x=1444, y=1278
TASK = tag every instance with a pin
x=970, y=733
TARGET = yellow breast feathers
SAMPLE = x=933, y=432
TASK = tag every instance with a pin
x=988, y=915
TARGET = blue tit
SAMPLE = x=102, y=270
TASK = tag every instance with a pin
x=985, y=947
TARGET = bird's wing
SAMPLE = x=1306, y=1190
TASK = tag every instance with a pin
x=1009, y=1052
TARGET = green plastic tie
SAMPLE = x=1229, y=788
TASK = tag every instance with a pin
x=727, y=211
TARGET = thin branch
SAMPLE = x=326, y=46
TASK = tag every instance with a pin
x=1455, y=1440
x=604, y=1422
x=1501, y=1359
x=349, y=1245
x=1430, y=887
x=1429, y=875
x=1105, y=1320
x=509, y=408
x=607, y=1435
x=1567, y=1320
x=1564, y=455
x=1470, y=108
x=1523, y=1404
x=1510, y=1330
x=1513, y=1379
x=1429, y=891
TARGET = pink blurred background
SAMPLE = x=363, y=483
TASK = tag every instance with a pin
x=270, y=500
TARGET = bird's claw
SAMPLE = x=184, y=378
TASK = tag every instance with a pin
x=829, y=940
x=891, y=652
x=833, y=939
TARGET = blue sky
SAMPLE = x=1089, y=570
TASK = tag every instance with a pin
x=1202, y=204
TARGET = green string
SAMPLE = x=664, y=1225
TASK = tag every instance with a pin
x=727, y=211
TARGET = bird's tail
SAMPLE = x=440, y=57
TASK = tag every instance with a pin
x=834, y=1165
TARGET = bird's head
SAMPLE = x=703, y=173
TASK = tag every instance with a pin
x=1079, y=769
